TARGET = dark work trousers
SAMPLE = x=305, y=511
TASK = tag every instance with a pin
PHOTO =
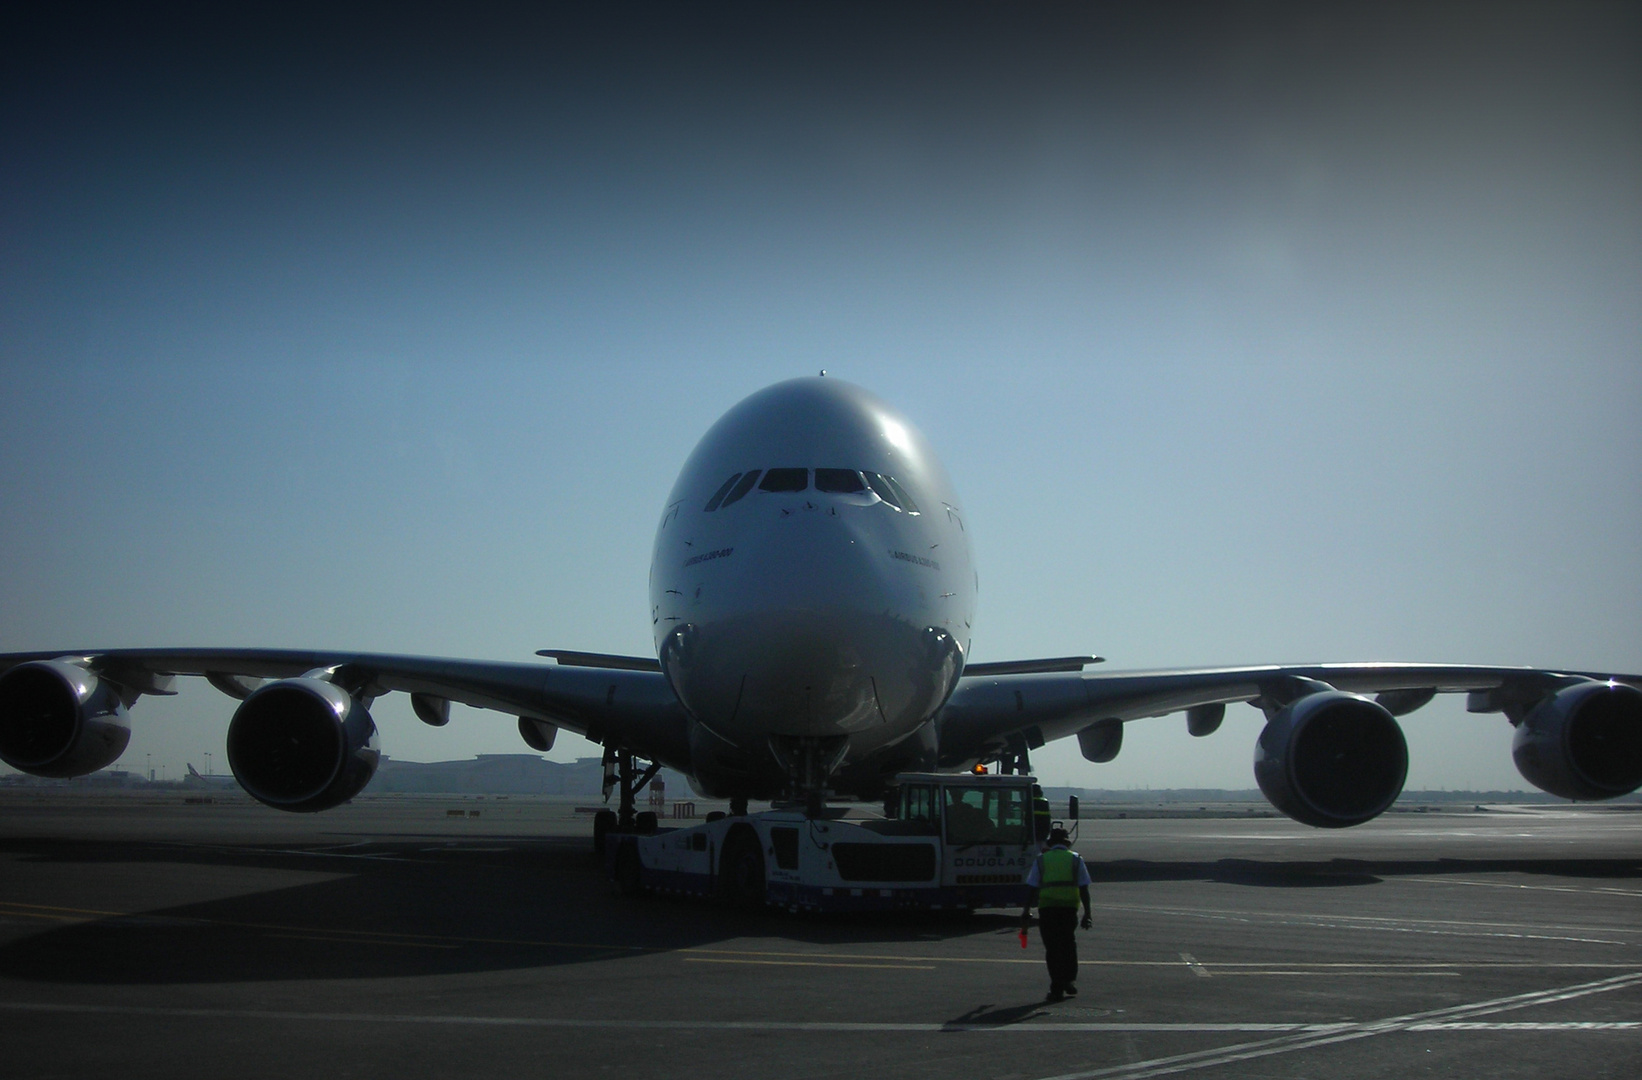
x=1057, y=925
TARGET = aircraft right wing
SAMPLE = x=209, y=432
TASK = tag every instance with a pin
x=1329, y=755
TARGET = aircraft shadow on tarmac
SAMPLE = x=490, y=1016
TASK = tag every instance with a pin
x=430, y=907
x=396, y=910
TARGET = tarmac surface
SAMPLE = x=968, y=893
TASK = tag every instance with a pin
x=408, y=937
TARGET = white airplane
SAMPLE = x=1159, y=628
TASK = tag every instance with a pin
x=812, y=596
x=196, y=779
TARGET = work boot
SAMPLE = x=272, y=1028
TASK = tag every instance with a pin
x=1071, y=989
x=1055, y=994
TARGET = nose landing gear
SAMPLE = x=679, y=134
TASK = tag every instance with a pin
x=808, y=761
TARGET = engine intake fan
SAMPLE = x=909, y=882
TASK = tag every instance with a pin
x=58, y=719
x=302, y=744
x=1583, y=742
x=1331, y=759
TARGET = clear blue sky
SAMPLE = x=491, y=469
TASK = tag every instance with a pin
x=1247, y=335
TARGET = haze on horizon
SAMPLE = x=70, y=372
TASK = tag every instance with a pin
x=1249, y=334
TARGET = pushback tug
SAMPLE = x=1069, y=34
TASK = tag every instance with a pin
x=946, y=842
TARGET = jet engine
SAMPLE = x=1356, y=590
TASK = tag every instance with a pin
x=1331, y=759
x=58, y=719
x=302, y=744
x=1583, y=742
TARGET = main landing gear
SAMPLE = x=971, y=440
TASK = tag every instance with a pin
x=1017, y=760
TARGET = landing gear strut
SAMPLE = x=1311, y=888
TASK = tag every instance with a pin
x=1016, y=760
x=808, y=762
x=621, y=771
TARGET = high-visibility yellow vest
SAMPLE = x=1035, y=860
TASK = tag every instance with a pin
x=1057, y=878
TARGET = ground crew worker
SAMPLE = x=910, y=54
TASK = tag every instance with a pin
x=1058, y=880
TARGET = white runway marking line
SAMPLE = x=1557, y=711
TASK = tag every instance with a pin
x=1547, y=1025
x=1294, y=1036
x=762, y=1026
x=1417, y=974
x=1595, y=890
x=1434, y=1020
x=805, y=963
x=1438, y=927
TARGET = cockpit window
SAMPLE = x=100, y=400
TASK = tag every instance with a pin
x=785, y=480
x=831, y=481
x=712, y=504
x=881, y=489
x=839, y=481
x=892, y=493
x=748, y=479
x=901, y=495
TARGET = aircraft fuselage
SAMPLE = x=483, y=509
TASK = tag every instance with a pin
x=811, y=592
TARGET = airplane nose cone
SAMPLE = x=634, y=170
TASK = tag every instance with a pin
x=818, y=635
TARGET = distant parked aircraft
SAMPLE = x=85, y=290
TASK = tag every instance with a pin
x=195, y=780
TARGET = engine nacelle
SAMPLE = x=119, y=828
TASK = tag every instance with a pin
x=1331, y=759
x=58, y=719
x=1583, y=742
x=302, y=744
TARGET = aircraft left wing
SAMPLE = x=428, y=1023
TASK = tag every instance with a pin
x=1329, y=755
x=63, y=713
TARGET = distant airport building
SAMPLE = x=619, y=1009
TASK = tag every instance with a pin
x=487, y=774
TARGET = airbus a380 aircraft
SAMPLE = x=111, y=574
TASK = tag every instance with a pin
x=811, y=600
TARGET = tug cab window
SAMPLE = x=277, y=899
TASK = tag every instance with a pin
x=839, y=481
x=744, y=485
x=987, y=815
x=918, y=804
x=785, y=480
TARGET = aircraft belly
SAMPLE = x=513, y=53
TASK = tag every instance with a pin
x=799, y=673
